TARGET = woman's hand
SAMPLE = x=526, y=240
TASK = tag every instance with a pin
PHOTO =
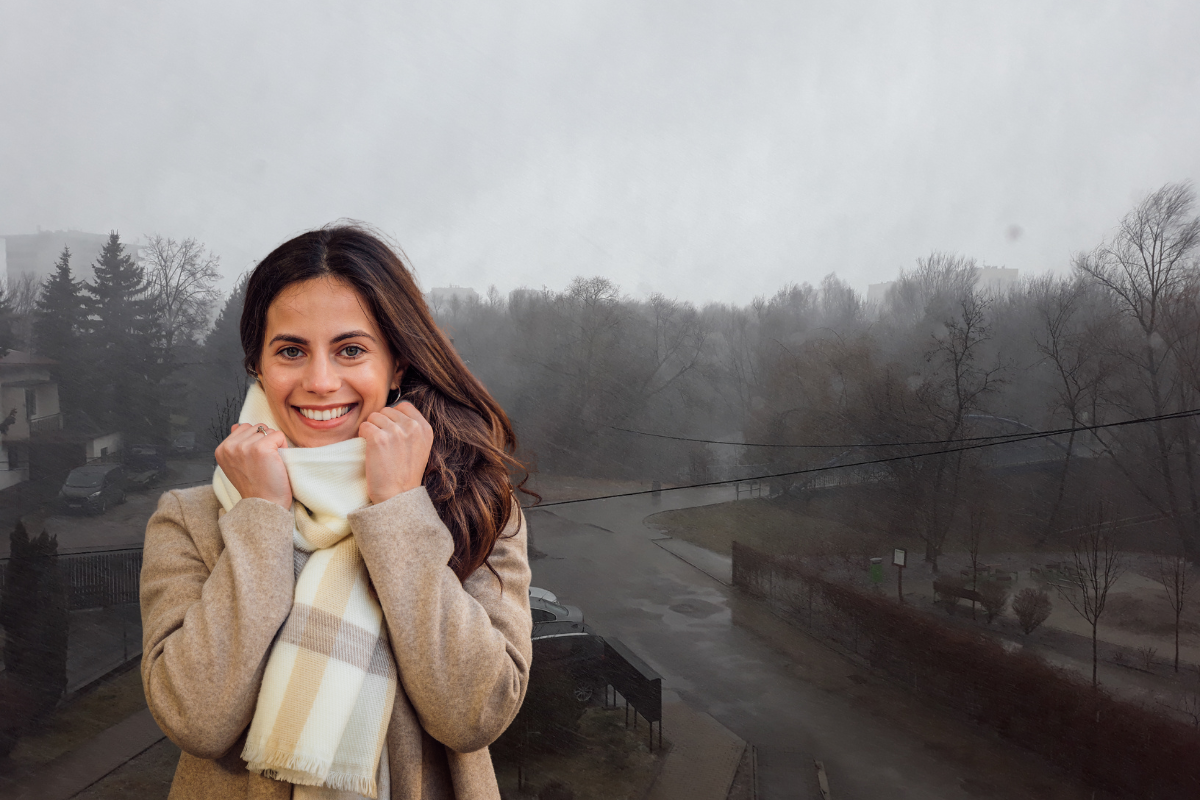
x=398, y=443
x=252, y=463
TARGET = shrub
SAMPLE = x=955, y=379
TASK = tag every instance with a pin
x=1146, y=656
x=994, y=599
x=1032, y=607
x=949, y=601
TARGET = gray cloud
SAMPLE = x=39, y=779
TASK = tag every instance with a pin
x=707, y=151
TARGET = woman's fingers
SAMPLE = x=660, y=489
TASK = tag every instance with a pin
x=250, y=458
x=398, y=445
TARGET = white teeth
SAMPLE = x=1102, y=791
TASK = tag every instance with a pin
x=332, y=413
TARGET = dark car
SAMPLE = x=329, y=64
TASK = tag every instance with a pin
x=184, y=444
x=144, y=464
x=145, y=457
x=93, y=488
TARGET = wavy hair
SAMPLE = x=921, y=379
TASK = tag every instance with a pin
x=468, y=475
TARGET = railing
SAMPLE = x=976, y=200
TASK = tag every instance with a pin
x=94, y=580
x=50, y=422
x=102, y=579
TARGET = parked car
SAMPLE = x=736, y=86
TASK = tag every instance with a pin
x=184, y=444
x=544, y=594
x=544, y=610
x=93, y=488
x=145, y=463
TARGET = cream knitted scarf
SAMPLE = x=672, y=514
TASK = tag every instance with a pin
x=330, y=680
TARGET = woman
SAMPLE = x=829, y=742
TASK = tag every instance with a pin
x=319, y=621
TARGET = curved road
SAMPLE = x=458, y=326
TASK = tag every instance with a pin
x=773, y=686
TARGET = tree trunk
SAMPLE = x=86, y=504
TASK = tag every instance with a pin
x=1095, y=660
x=1177, y=638
x=1062, y=487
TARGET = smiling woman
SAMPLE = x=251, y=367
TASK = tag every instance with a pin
x=318, y=622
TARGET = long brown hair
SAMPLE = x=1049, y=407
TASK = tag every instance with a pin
x=468, y=474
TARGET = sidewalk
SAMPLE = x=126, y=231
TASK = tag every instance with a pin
x=700, y=765
x=75, y=770
x=703, y=758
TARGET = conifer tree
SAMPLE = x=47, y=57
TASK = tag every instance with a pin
x=59, y=317
x=123, y=326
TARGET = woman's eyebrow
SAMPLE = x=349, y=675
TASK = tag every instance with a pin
x=351, y=335
x=288, y=337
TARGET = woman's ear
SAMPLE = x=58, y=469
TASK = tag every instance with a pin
x=393, y=395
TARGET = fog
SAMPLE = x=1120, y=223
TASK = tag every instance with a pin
x=852, y=353
x=696, y=150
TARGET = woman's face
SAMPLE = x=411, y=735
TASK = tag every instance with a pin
x=324, y=366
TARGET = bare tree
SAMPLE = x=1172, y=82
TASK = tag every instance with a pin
x=954, y=390
x=1073, y=342
x=976, y=520
x=1175, y=575
x=23, y=291
x=1095, y=566
x=1148, y=261
x=181, y=277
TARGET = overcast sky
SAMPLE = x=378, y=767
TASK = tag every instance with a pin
x=708, y=151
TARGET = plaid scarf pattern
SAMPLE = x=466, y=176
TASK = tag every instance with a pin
x=330, y=680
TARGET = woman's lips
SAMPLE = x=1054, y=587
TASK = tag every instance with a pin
x=325, y=424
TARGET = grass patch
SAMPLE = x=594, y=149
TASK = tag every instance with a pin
x=616, y=763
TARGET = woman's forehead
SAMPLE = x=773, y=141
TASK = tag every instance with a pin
x=320, y=305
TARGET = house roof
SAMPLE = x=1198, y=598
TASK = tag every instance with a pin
x=20, y=358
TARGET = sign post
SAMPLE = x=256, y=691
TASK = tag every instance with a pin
x=899, y=556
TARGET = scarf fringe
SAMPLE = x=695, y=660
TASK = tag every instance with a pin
x=272, y=762
x=290, y=761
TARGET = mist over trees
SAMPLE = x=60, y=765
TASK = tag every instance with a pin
x=940, y=360
x=604, y=385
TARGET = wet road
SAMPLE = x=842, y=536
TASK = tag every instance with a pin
x=769, y=684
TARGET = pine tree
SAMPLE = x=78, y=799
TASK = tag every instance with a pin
x=58, y=332
x=123, y=326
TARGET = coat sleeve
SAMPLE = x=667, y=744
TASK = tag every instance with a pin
x=463, y=650
x=206, y=635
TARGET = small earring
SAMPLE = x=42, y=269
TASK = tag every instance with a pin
x=393, y=397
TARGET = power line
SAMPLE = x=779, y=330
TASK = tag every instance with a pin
x=1000, y=437
x=790, y=473
x=809, y=470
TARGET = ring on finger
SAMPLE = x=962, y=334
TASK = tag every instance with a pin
x=262, y=429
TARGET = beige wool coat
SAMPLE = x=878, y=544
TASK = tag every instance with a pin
x=216, y=587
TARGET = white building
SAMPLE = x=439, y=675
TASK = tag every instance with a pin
x=28, y=407
x=38, y=439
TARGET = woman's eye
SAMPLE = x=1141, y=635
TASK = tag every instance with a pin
x=286, y=354
x=353, y=347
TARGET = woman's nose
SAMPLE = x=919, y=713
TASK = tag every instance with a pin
x=321, y=377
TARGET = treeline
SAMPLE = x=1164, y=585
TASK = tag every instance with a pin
x=1113, y=336
x=120, y=341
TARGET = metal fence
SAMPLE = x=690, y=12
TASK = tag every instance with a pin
x=94, y=580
